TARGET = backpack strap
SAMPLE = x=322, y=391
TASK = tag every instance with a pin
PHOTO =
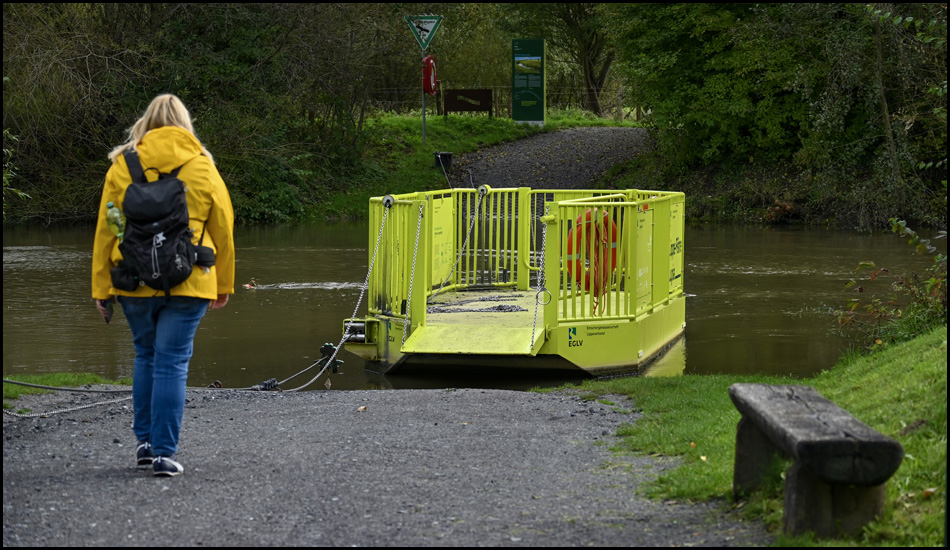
x=135, y=167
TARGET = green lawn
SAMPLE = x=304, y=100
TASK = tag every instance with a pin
x=900, y=391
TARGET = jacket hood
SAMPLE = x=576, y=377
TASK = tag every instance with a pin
x=167, y=148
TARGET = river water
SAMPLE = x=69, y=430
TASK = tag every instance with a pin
x=758, y=301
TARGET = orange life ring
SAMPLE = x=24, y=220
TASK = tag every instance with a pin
x=592, y=251
x=429, y=81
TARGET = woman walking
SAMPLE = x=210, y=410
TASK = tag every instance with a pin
x=164, y=325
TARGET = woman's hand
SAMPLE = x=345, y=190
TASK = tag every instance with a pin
x=106, y=308
x=220, y=302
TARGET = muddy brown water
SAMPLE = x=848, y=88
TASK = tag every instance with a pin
x=758, y=301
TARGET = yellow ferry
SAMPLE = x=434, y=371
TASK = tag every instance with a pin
x=584, y=280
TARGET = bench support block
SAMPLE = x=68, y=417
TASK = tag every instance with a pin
x=754, y=456
x=828, y=510
x=814, y=500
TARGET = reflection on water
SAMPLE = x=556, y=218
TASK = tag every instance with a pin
x=671, y=363
x=757, y=302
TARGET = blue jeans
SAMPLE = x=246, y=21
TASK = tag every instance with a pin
x=163, y=333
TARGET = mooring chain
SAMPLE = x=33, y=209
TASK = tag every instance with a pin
x=453, y=307
x=458, y=258
x=349, y=325
x=60, y=388
x=500, y=308
x=489, y=298
x=69, y=409
x=412, y=275
x=541, y=285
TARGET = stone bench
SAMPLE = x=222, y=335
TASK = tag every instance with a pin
x=837, y=481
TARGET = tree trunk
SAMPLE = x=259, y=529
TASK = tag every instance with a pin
x=886, y=119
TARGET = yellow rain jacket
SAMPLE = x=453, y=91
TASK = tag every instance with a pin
x=209, y=210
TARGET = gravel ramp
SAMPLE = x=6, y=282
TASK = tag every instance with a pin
x=573, y=158
x=451, y=467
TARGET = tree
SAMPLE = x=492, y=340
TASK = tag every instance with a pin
x=473, y=49
x=278, y=92
x=826, y=89
x=575, y=33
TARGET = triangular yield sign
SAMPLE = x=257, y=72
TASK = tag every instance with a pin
x=424, y=27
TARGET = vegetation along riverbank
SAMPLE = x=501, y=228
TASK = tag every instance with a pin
x=831, y=114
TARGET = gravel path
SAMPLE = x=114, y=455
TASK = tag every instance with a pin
x=566, y=159
x=463, y=467
x=448, y=467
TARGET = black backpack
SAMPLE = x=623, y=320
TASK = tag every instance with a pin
x=156, y=249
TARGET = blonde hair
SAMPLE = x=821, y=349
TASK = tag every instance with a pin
x=164, y=110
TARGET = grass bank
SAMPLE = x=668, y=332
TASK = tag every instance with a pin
x=900, y=391
x=397, y=161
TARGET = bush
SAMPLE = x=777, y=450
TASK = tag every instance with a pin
x=915, y=304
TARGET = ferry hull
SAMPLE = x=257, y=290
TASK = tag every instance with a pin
x=597, y=348
x=571, y=280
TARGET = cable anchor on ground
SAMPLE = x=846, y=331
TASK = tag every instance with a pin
x=270, y=384
x=329, y=352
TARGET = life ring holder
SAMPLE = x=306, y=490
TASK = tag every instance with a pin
x=429, y=78
x=595, y=237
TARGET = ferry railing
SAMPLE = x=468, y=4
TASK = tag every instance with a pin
x=534, y=207
x=393, y=254
x=466, y=238
x=492, y=238
x=613, y=256
x=486, y=237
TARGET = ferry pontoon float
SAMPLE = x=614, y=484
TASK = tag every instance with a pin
x=552, y=279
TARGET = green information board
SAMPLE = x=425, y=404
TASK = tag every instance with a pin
x=527, y=81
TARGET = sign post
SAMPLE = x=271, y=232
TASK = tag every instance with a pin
x=423, y=27
x=528, y=99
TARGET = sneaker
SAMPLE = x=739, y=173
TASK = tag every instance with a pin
x=165, y=466
x=143, y=454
